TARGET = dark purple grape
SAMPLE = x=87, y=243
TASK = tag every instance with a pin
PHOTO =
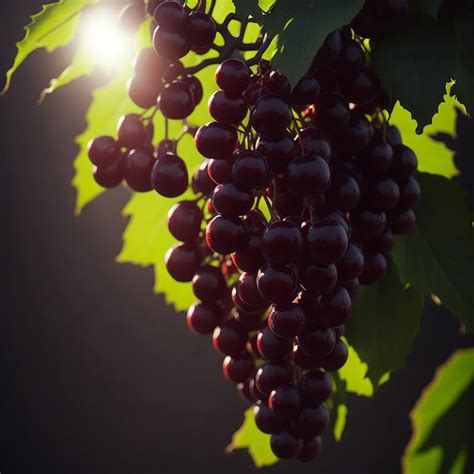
x=250, y=170
x=318, y=280
x=352, y=287
x=362, y=89
x=173, y=71
x=131, y=17
x=209, y=284
x=306, y=91
x=233, y=76
x=404, y=164
x=351, y=265
x=201, y=29
x=171, y=16
x=165, y=146
x=402, y=222
x=184, y=221
x=143, y=92
x=308, y=175
x=176, y=101
x=315, y=387
x=329, y=52
x=226, y=236
x=356, y=135
x=103, y=151
x=336, y=359
x=382, y=195
x=279, y=151
x=384, y=243
x=201, y=182
x=376, y=159
x=131, y=131
x=203, y=318
x=219, y=171
x=375, y=268
x=195, y=87
x=317, y=342
x=271, y=376
x=266, y=420
x=277, y=284
x=279, y=84
x=285, y=402
x=216, y=140
x=285, y=445
x=137, y=169
x=335, y=307
x=344, y=192
x=250, y=257
x=272, y=347
x=109, y=176
x=248, y=291
x=327, y=242
x=351, y=60
x=183, y=261
x=149, y=65
x=229, y=338
x=170, y=44
x=239, y=368
x=271, y=115
x=311, y=449
x=315, y=142
x=282, y=242
x=311, y=421
x=229, y=201
x=369, y=224
x=410, y=193
x=286, y=320
x=227, y=109
x=169, y=176
x=332, y=112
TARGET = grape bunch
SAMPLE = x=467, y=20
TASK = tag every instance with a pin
x=297, y=203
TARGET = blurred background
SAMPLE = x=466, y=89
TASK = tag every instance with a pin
x=98, y=375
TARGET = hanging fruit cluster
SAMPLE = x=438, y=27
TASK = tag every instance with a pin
x=297, y=202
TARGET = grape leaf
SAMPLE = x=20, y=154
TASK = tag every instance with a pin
x=351, y=378
x=414, y=65
x=384, y=322
x=433, y=156
x=248, y=436
x=438, y=256
x=443, y=432
x=301, y=27
x=54, y=26
x=464, y=88
x=430, y=7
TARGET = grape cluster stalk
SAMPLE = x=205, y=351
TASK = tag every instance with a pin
x=297, y=203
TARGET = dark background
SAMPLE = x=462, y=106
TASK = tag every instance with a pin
x=98, y=375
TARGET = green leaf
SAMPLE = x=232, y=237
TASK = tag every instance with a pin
x=430, y=7
x=438, y=256
x=433, y=156
x=443, y=432
x=384, y=322
x=54, y=26
x=414, y=65
x=464, y=75
x=352, y=378
x=248, y=436
x=302, y=27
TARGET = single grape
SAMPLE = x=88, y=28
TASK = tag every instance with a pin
x=271, y=115
x=229, y=201
x=176, y=101
x=201, y=182
x=250, y=257
x=103, y=151
x=314, y=142
x=351, y=265
x=285, y=402
x=201, y=29
x=170, y=44
x=327, y=242
x=109, y=176
x=182, y=261
x=285, y=445
x=308, y=175
x=171, y=16
x=362, y=89
x=402, y=222
x=311, y=449
x=277, y=284
x=239, y=368
x=250, y=170
x=137, y=169
x=332, y=112
x=318, y=279
x=344, y=192
x=216, y=140
x=306, y=91
x=169, y=175
x=131, y=17
x=272, y=347
x=336, y=359
x=315, y=387
x=266, y=420
x=229, y=338
x=143, y=92
x=382, y=195
x=279, y=151
x=404, y=164
x=317, y=342
x=184, y=221
x=334, y=308
x=233, y=76
x=286, y=320
x=209, y=284
x=271, y=376
x=410, y=193
x=311, y=421
x=227, y=109
x=131, y=131
x=225, y=236
x=282, y=242
x=203, y=318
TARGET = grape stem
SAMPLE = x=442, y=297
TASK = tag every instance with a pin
x=231, y=44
